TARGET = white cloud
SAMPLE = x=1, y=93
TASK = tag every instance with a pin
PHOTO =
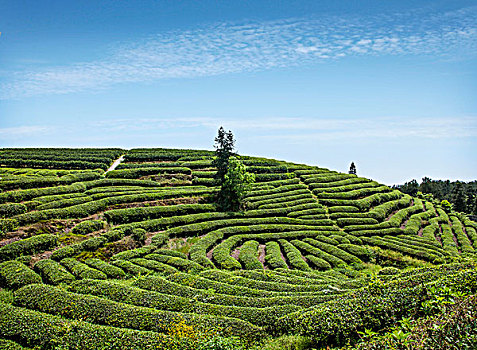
x=306, y=128
x=233, y=48
x=20, y=131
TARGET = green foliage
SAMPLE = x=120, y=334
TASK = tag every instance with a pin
x=236, y=182
x=224, y=149
x=32, y=245
x=85, y=227
x=14, y=274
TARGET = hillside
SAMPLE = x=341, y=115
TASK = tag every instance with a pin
x=139, y=257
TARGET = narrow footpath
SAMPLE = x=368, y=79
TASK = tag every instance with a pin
x=115, y=164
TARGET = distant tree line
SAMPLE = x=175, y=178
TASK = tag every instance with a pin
x=462, y=195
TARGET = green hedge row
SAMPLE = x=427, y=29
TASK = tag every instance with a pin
x=289, y=204
x=251, y=281
x=285, y=200
x=148, y=165
x=81, y=271
x=273, y=256
x=134, y=253
x=363, y=203
x=458, y=229
x=56, y=301
x=64, y=203
x=14, y=274
x=71, y=250
x=24, y=195
x=354, y=194
x=416, y=221
x=177, y=297
x=262, y=233
x=330, y=259
x=47, y=332
x=156, y=266
x=12, y=209
x=122, y=216
x=343, y=209
x=343, y=181
x=347, y=188
x=150, y=299
x=179, y=263
x=131, y=268
x=310, y=180
x=382, y=211
x=7, y=225
x=108, y=269
x=274, y=192
x=417, y=252
x=447, y=238
x=333, y=250
x=52, y=272
x=199, y=282
x=258, y=194
x=248, y=255
x=89, y=226
x=203, y=227
x=359, y=251
x=293, y=256
x=378, y=231
x=68, y=164
x=419, y=243
x=25, y=182
x=431, y=231
x=138, y=172
x=32, y=245
x=355, y=221
x=470, y=228
x=86, y=209
x=374, y=307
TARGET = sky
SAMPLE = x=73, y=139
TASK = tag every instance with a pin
x=390, y=85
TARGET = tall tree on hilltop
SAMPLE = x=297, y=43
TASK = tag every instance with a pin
x=224, y=148
x=236, y=183
x=232, y=175
x=352, y=169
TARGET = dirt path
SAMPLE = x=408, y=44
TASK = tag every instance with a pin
x=115, y=164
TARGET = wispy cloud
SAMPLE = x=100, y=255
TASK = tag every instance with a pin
x=21, y=131
x=303, y=128
x=232, y=48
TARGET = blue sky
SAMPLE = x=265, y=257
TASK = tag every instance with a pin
x=390, y=85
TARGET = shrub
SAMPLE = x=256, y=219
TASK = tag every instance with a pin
x=102, y=311
x=69, y=251
x=52, y=272
x=14, y=274
x=273, y=256
x=32, y=245
x=11, y=209
x=110, y=270
x=85, y=227
x=294, y=256
x=7, y=225
x=80, y=270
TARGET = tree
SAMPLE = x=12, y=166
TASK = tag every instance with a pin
x=224, y=148
x=446, y=206
x=459, y=201
x=352, y=169
x=237, y=181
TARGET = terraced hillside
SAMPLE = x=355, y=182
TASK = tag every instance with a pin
x=140, y=258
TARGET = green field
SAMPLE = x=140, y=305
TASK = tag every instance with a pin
x=140, y=258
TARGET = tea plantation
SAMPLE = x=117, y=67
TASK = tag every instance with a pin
x=140, y=257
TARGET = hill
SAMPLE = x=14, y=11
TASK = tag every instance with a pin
x=139, y=257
